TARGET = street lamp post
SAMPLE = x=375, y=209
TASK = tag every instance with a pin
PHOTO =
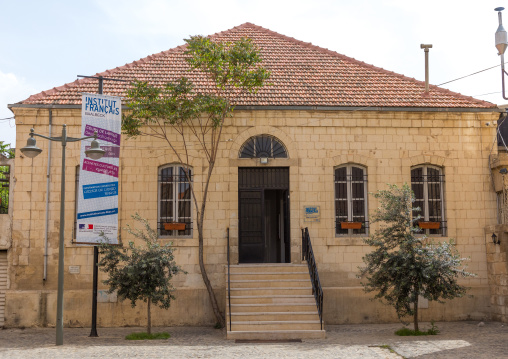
x=501, y=45
x=31, y=150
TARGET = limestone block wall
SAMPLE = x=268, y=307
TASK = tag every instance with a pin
x=497, y=264
x=387, y=143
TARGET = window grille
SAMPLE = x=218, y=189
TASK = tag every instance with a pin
x=427, y=183
x=351, y=200
x=175, y=208
x=5, y=176
x=263, y=146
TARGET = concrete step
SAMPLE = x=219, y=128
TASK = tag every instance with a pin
x=288, y=291
x=278, y=299
x=273, y=316
x=280, y=268
x=269, y=276
x=264, y=283
x=276, y=335
x=271, y=301
x=275, y=325
x=272, y=307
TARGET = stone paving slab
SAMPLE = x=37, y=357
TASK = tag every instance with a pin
x=456, y=340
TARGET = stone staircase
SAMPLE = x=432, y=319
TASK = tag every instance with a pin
x=271, y=301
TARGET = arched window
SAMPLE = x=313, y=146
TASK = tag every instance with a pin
x=175, y=210
x=427, y=183
x=351, y=215
x=263, y=146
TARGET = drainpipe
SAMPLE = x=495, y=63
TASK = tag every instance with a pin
x=47, y=200
x=426, y=49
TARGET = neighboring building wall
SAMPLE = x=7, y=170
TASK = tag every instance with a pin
x=498, y=273
x=5, y=232
x=6, y=218
x=386, y=143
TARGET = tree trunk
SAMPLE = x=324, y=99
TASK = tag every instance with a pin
x=415, y=316
x=215, y=306
x=149, y=324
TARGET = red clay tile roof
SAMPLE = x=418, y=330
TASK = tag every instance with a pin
x=302, y=75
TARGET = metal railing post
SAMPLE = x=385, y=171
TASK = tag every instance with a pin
x=229, y=283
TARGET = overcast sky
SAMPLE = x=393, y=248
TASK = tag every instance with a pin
x=44, y=44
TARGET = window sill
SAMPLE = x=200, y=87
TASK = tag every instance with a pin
x=356, y=240
x=180, y=241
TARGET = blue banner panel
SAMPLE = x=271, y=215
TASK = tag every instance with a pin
x=100, y=190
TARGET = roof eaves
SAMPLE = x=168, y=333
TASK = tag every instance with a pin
x=306, y=108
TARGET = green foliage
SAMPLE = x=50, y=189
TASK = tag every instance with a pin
x=406, y=332
x=4, y=189
x=227, y=64
x=140, y=273
x=6, y=150
x=173, y=104
x=433, y=328
x=146, y=336
x=404, y=265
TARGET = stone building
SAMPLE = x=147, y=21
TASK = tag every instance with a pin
x=332, y=130
x=6, y=187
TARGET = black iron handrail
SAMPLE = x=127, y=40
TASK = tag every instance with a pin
x=308, y=255
x=229, y=284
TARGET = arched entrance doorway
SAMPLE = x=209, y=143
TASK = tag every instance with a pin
x=263, y=203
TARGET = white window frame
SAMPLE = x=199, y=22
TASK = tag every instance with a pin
x=426, y=200
x=349, y=199
x=175, y=202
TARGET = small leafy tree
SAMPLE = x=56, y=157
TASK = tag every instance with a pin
x=6, y=150
x=197, y=118
x=404, y=266
x=140, y=273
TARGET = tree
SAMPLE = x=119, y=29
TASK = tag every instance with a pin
x=140, y=273
x=404, y=265
x=175, y=108
x=6, y=150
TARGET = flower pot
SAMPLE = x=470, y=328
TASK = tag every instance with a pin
x=174, y=226
x=351, y=225
x=429, y=225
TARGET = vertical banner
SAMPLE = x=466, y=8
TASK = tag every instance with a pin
x=98, y=179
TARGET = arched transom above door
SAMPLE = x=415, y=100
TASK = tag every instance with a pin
x=263, y=146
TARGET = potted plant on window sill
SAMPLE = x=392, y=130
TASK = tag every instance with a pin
x=429, y=225
x=350, y=225
x=174, y=226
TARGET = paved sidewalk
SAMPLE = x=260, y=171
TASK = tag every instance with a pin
x=456, y=340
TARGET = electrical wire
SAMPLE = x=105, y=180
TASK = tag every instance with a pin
x=7, y=118
x=474, y=73
x=485, y=94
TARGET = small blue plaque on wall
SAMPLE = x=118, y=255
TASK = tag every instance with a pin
x=311, y=214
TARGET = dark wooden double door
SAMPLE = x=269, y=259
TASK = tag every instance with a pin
x=264, y=215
